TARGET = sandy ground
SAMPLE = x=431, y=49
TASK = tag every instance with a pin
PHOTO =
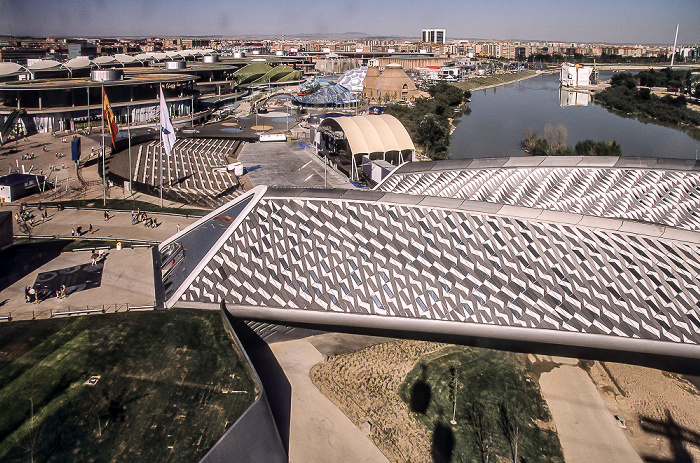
x=365, y=387
x=661, y=410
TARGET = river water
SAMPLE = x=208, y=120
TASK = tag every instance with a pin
x=500, y=115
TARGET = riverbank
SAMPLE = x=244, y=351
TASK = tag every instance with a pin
x=481, y=83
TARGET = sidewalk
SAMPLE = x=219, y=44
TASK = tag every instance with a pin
x=319, y=431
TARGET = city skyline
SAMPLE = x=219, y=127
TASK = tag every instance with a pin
x=627, y=22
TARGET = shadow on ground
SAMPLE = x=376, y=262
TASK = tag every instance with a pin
x=420, y=394
x=443, y=444
x=677, y=435
x=22, y=259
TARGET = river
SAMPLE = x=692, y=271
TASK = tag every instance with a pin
x=500, y=115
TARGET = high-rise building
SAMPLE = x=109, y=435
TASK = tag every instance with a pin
x=433, y=36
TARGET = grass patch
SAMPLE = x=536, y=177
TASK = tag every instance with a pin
x=497, y=399
x=170, y=385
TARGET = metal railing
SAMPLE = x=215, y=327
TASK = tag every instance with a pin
x=71, y=311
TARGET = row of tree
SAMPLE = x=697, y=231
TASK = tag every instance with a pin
x=604, y=58
x=553, y=143
x=666, y=78
x=624, y=95
x=429, y=120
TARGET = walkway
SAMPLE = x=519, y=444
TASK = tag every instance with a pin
x=319, y=431
x=586, y=428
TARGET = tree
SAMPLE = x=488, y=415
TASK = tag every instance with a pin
x=529, y=139
x=479, y=422
x=432, y=135
x=555, y=136
x=623, y=79
x=509, y=422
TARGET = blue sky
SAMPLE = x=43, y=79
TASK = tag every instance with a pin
x=611, y=21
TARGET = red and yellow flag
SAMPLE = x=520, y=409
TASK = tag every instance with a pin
x=108, y=116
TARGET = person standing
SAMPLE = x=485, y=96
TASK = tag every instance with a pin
x=72, y=232
x=26, y=294
x=90, y=228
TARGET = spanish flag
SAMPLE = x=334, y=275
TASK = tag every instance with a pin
x=108, y=116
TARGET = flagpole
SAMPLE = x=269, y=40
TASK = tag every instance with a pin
x=160, y=132
x=128, y=132
x=104, y=184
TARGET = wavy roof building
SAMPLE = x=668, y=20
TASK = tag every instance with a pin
x=454, y=269
x=658, y=191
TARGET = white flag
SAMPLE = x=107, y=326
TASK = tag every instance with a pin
x=166, y=126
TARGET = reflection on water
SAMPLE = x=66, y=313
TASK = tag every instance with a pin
x=499, y=117
x=569, y=98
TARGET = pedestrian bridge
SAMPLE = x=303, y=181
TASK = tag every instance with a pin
x=444, y=268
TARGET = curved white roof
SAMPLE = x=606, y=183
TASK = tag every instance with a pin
x=45, y=65
x=374, y=134
x=126, y=59
x=11, y=69
x=353, y=79
x=106, y=60
x=79, y=63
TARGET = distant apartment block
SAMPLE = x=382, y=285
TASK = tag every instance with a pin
x=433, y=36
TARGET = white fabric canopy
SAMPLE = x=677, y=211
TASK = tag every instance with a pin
x=374, y=134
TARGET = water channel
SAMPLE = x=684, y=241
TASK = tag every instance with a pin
x=500, y=115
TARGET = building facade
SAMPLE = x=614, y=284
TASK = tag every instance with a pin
x=433, y=36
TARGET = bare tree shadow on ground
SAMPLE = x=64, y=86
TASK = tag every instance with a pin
x=443, y=444
x=420, y=394
x=677, y=436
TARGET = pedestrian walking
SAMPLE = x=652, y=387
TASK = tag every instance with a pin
x=94, y=258
x=106, y=218
x=26, y=294
x=90, y=228
x=72, y=232
x=178, y=228
x=32, y=294
x=63, y=291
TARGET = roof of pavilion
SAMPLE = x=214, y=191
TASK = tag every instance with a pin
x=373, y=133
x=659, y=191
x=452, y=266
